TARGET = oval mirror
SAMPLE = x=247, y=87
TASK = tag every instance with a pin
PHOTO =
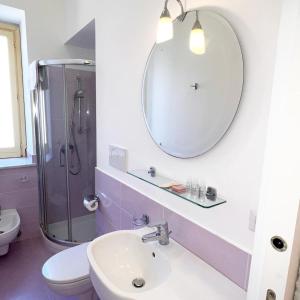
x=190, y=100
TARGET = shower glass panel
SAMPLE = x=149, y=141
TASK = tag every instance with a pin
x=80, y=94
x=53, y=112
x=66, y=148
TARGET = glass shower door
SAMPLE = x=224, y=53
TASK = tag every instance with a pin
x=81, y=99
x=53, y=120
x=66, y=147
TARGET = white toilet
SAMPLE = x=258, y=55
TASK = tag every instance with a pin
x=67, y=273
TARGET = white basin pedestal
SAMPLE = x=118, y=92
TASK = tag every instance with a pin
x=9, y=228
x=120, y=260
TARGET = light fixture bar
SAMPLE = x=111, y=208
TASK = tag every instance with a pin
x=183, y=13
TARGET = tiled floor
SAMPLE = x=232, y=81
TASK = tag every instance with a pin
x=20, y=273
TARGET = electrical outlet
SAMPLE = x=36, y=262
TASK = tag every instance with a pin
x=118, y=158
x=252, y=220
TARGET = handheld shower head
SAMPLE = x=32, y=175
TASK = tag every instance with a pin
x=79, y=94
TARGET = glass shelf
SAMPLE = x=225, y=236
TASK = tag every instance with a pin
x=160, y=182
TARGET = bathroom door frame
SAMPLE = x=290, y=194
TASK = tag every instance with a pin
x=280, y=191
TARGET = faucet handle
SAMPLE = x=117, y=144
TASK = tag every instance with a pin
x=155, y=225
x=163, y=231
x=163, y=225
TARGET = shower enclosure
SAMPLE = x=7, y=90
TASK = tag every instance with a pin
x=65, y=127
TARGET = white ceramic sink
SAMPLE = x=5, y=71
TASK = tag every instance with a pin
x=170, y=272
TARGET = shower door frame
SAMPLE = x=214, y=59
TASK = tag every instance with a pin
x=38, y=95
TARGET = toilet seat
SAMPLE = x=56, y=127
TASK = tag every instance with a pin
x=68, y=266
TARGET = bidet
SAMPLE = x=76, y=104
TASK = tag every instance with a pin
x=9, y=228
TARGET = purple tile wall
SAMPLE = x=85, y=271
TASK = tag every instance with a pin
x=120, y=203
x=19, y=189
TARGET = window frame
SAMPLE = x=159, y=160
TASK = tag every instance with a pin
x=12, y=32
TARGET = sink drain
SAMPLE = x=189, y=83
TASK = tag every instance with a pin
x=138, y=282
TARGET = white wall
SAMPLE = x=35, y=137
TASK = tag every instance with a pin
x=78, y=13
x=45, y=29
x=125, y=32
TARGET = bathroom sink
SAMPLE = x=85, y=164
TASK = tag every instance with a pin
x=122, y=267
x=120, y=258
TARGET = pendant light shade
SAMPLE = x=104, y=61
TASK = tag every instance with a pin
x=165, y=26
x=197, y=38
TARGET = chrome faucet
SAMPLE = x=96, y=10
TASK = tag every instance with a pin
x=161, y=234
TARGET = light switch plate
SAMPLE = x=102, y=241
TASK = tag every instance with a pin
x=118, y=157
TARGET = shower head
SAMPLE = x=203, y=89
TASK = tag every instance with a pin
x=79, y=94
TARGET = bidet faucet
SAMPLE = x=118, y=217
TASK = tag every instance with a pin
x=161, y=234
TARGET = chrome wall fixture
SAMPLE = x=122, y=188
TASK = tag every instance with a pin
x=165, y=30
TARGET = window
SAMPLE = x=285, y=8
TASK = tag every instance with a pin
x=12, y=117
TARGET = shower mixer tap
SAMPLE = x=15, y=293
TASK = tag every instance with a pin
x=62, y=153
